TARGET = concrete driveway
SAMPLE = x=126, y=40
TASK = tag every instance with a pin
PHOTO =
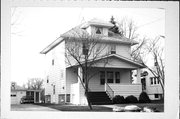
x=30, y=107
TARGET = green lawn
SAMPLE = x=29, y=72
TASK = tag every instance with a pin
x=157, y=106
x=96, y=108
x=99, y=108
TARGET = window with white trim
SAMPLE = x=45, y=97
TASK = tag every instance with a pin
x=110, y=77
x=54, y=90
x=154, y=81
x=52, y=62
x=102, y=77
x=117, y=77
x=113, y=49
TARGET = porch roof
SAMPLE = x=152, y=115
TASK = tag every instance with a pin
x=115, y=61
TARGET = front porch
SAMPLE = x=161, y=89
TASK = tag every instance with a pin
x=113, y=81
x=114, y=78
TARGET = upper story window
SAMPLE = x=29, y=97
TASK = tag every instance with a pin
x=113, y=49
x=13, y=95
x=85, y=49
x=47, y=79
x=52, y=61
x=99, y=30
x=54, y=90
x=154, y=80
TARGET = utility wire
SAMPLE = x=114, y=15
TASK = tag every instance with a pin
x=150, y=22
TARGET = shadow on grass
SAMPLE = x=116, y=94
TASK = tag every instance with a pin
x=70, y=107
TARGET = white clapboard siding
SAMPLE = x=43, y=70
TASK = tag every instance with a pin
x=56, y=72
x=126, y=89
x=123, y=50
x=74, y=89
x=83, y=100
x=71, y=78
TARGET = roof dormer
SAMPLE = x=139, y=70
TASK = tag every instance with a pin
x=97, y=27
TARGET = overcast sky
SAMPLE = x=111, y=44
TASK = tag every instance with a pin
x=36, y=27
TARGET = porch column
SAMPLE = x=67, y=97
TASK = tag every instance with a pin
x=39, y=96
x=34, y=96
x=78, y=95
x=138, y=76
x=80, y=74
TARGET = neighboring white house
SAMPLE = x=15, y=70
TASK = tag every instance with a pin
x=151, y=85
x=62, y=82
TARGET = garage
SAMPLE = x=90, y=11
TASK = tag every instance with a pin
x=17, y=94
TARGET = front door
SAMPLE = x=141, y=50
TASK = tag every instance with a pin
x=37, y=97
x=143, y=82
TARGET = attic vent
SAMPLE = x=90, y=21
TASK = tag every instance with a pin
x=99, y=31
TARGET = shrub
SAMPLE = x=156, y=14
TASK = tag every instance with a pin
x=144, y=98
x=131, y=99
x=118, y=99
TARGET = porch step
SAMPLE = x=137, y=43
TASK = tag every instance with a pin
x=99, y=98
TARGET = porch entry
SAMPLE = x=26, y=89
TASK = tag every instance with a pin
x=37, y=96
x=115, y=82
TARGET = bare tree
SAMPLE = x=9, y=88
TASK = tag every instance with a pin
x=35, y=83
x=154, y=49
x=83, y=50
x=146, y=46
x=157, y=52
x=128, y=28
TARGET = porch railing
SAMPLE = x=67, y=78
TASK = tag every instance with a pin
x=109, y=91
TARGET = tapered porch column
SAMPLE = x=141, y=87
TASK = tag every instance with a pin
x=138, y=76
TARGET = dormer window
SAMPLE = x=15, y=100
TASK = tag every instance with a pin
x=99, y=30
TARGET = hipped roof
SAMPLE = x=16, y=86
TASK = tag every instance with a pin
x=79, y=32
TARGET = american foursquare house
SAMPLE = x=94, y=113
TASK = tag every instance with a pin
x=114, y=78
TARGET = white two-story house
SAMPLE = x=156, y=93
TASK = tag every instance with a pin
x=63, y=82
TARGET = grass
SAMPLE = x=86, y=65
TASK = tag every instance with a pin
x=158, y=107
x=60, y=107
x=99, y=108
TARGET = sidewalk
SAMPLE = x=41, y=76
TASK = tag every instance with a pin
x=30, y=107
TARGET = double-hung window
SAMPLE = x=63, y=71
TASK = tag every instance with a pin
x=85, y=49
x=117, y=77
x=102, y=77
x=154, y=80
x=110, y=77
x=113, y=49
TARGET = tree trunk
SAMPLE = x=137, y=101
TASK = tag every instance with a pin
x=87, y=97
x=86, y=84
